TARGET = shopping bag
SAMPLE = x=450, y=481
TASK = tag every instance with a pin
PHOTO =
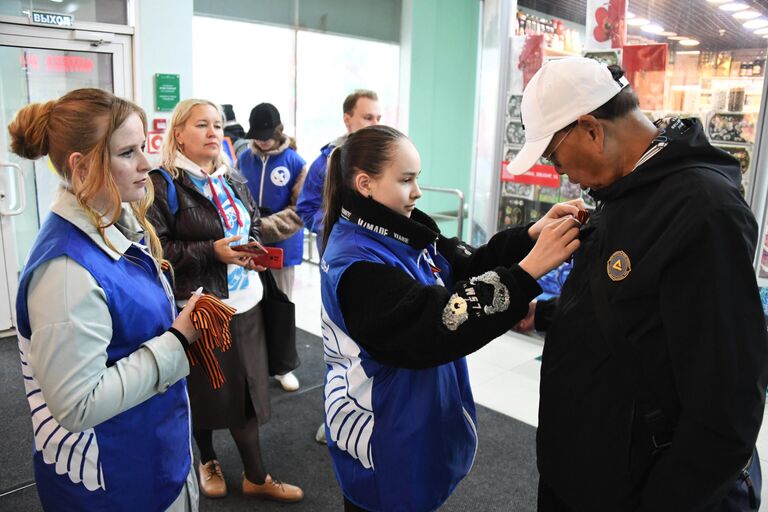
x=279, y=326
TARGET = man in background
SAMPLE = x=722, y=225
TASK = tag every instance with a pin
x=361, y=109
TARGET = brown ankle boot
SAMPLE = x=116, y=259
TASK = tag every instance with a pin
x=273, y=489
x=212, y=482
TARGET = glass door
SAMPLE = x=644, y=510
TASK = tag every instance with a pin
x=37, y=65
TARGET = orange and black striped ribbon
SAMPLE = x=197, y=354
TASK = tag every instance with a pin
x=211, y=317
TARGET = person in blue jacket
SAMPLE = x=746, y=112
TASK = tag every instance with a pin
x=102, y=349
x=275, y=174
x=401, y=307
x=361, y=109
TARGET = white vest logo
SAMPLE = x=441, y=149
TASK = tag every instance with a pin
x=280, y=176
x=348, y=401
x=73, y=454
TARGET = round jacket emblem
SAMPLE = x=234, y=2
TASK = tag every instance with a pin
x=618, y=266
x=280, y=176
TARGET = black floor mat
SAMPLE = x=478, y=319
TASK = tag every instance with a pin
x=503, y=478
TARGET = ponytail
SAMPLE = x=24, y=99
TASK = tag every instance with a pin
x=367, y=150
x=333, y=194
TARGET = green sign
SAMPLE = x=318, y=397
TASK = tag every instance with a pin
x=166, y=92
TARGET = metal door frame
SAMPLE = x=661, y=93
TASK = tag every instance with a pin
x=99, y=38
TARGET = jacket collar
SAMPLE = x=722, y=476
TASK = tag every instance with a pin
x=419, y=231
x=680, y=144
x=288, y=142
x=194, y=170
x=122, y=234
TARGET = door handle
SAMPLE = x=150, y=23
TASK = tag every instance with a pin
x=17, y=193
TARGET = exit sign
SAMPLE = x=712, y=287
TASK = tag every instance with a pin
x=51, y=18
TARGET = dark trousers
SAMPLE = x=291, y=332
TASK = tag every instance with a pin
x=549, y=502
x=351, y=507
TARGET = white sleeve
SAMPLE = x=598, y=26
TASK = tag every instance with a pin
x=71, y=330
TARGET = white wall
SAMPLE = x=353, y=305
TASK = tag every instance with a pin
x=163, y=44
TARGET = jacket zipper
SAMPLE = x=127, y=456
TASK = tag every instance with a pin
x=264, y=160
x=474, y=430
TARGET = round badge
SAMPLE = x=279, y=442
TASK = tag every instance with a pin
x=618, y=266
x=280, y=176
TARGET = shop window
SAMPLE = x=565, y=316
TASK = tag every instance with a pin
x=244, y=64
x=328, y=68
x=306, y=75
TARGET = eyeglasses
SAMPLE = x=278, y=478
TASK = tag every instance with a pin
x=548, y=157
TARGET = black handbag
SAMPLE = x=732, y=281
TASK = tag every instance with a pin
x=279, y=327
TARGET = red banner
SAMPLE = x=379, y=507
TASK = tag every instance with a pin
x=645, y=66
x=543, y=175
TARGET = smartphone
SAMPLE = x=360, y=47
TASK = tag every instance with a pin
x=251, y=247
x=271, y=258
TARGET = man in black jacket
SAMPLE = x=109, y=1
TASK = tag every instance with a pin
x=656, y=358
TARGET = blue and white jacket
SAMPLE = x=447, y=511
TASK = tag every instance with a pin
x=103, y=377
x=275, y=178
x=400, y=417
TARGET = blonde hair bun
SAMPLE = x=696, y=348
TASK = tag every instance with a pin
x=29, y=130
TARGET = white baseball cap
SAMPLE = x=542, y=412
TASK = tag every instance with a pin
x=560, y=92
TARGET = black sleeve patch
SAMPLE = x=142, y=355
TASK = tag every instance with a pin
x=480, y=296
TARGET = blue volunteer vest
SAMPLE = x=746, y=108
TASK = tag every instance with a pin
x=278, y=176
x=400, y=439
x=139, y=459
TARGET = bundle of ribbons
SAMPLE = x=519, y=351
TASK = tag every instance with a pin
x=211, y=317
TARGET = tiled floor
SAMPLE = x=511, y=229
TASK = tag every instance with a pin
x=505, y=373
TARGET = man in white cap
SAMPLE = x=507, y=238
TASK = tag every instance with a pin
x=655, y=363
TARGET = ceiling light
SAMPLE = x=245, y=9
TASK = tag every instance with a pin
x=57, y=1
x=637, y=22
x=678, y=38
x=689, y=42
x=734, y=6
x=756, y=23
x=652, y=28
x=629, y=15
x=746, y=15
x=718, y=1
x=761, y=31
x=668, y=34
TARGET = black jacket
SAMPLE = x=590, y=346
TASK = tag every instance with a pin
x=689, y=323
x=187, y=237
x=400, y=321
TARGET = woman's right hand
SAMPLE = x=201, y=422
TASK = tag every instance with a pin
x=227, y=255
x=556, y=243
x=183, y=322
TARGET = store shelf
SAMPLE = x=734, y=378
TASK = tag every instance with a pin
x=733, y=78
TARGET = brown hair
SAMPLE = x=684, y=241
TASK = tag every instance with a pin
x=350, y=102
x=83, y=121
x=367, y=150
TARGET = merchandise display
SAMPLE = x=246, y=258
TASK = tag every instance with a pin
x=720, y=83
